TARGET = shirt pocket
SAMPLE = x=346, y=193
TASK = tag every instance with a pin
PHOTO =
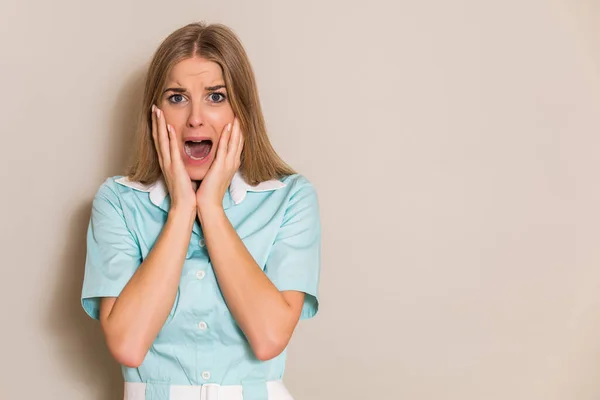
x=258, y=248
x=173, y=311
x=231, y=333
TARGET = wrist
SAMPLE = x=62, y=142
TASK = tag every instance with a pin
x=205, y=211
x=182, y=214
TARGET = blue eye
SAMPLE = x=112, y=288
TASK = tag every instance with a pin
x=217, y=97
x=176, y=98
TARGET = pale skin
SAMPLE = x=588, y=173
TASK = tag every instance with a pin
x=198, y=106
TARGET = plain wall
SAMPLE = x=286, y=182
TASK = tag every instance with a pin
x=454, y=147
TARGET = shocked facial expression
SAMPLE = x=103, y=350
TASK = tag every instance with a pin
x=196, y=105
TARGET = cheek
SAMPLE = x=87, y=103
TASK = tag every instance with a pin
x=175, y=117
x=219, y=117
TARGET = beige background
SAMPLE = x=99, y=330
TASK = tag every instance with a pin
x=454, y=145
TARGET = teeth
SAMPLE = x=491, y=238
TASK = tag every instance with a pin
x=188, y=151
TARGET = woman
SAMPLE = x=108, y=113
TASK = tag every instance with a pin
x=204, y=256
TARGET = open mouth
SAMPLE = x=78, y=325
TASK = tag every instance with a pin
x=198, y=149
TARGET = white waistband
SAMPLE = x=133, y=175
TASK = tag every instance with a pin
x=209, y=391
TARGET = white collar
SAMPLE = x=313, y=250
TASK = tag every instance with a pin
x=237, y=189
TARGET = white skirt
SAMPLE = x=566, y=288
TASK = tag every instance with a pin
x=209, y=391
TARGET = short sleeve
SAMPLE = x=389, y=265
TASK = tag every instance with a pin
x=294, y=261
x=112, y=252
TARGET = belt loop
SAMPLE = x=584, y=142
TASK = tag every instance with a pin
x=254, y=389
x=157, y=390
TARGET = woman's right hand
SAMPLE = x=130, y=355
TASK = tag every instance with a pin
x=179, y=184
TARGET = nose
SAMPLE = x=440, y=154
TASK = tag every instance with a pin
x=195, y=117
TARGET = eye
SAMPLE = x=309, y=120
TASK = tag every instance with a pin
x=176, y=99
x=217, y=97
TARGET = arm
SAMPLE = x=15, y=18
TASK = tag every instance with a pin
x=267, y=316
x=132, y=321
x=267, y=307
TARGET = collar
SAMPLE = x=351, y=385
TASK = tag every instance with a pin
x=238, y=189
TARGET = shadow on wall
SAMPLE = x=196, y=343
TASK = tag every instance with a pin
x=79, y=338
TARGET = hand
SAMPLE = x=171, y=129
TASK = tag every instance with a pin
x=227, y=161
x=176, y=177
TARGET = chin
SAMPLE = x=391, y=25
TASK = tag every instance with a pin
x=196, y=174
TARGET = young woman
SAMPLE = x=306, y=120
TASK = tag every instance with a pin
x=204, y=256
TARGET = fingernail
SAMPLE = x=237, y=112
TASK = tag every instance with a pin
x=153, y=108
x=229, y=127
x=169, y=128
x=158, y=112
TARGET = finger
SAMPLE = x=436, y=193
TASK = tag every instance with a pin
x=238, y=155
x=223, y=141
x=174, y=146
x=240, y=143
x=163, y=139
x=234, y=142
x=155, y=135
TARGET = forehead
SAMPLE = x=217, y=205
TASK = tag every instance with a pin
x=195, y=70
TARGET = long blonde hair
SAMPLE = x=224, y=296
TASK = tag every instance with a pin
x=218, y=43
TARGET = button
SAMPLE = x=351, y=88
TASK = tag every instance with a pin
x=202, y=325
x=205, y=375
x=202, y=243
x=200, y=274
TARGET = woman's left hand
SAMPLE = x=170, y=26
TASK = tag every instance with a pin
x=227, y=161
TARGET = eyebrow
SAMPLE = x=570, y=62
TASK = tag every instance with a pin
x=182, y=90
x=213, y=88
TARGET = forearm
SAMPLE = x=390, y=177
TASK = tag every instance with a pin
x=141, y=309
x=257, y=305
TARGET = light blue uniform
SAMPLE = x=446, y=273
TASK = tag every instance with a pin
x=200, y=342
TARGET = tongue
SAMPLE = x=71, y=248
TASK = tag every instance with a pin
x=199, y=150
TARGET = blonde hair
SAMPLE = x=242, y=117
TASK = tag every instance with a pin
x=217, y=43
